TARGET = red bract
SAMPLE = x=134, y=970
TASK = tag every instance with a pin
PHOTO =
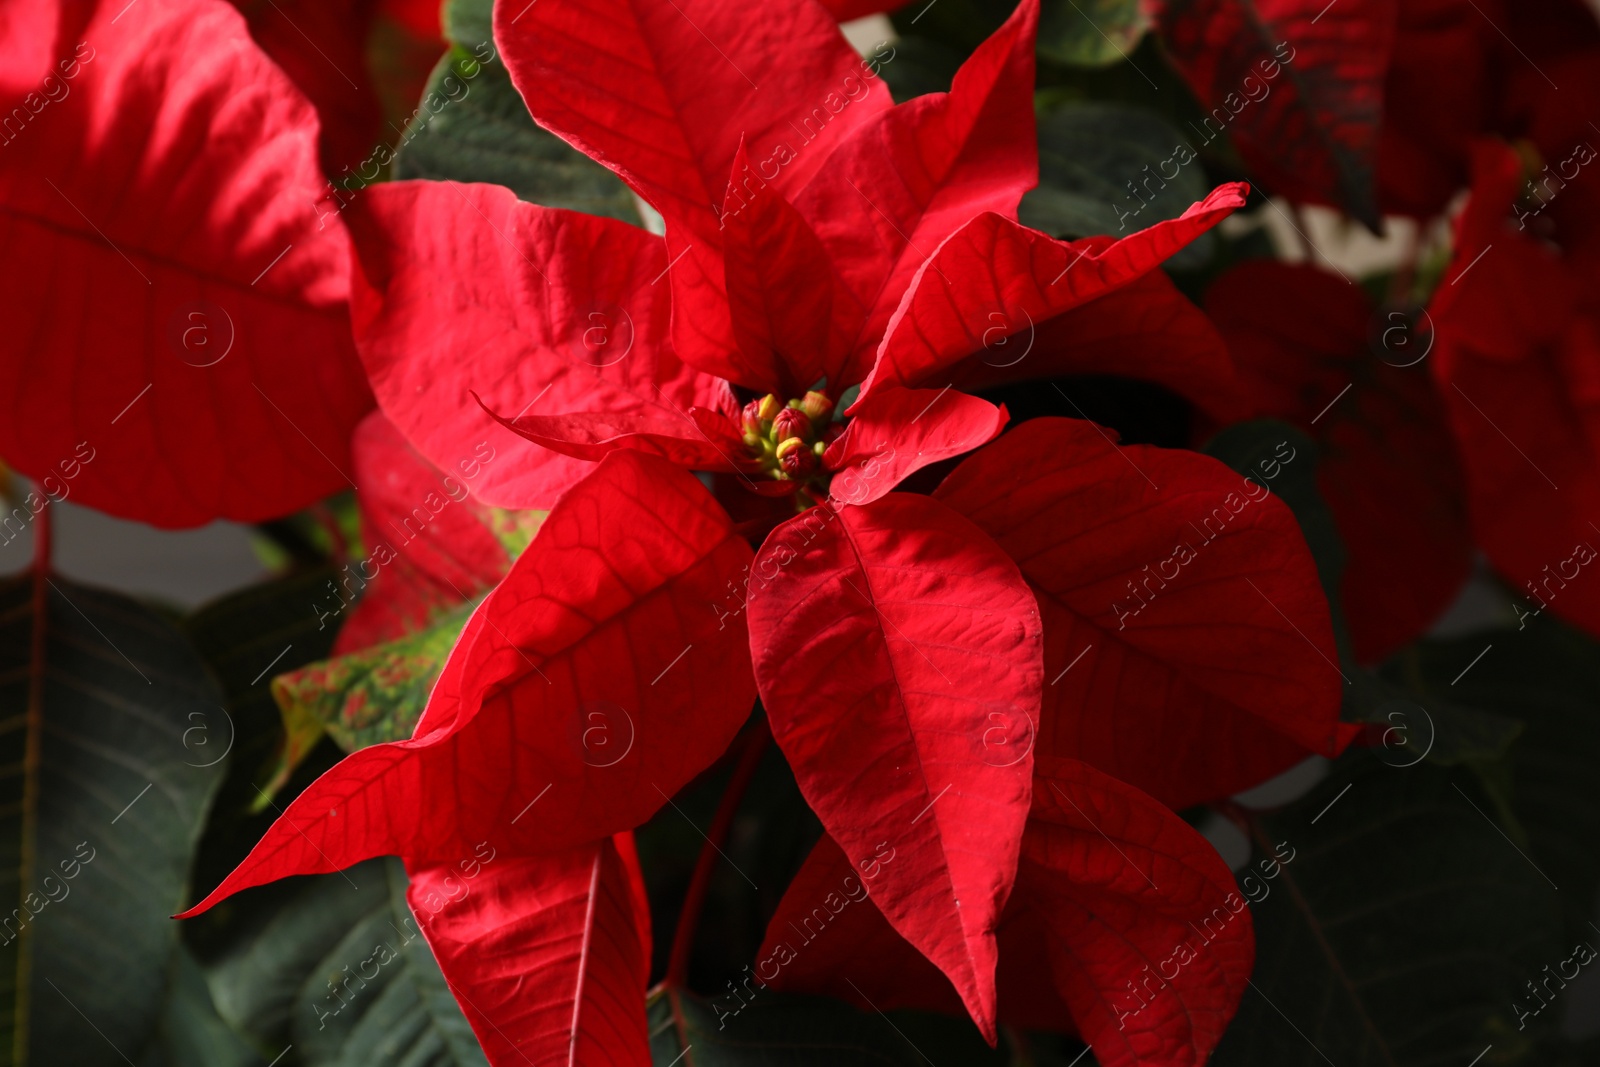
x=1436, y=98
x=679, y=98
x=578, y=920
x=920, y=638
x=1402, y=86
x=323, y=45
x=549, y=691
x=1098, y=930
x=431, y=545
x=1296, y=84
x=1187, y=640
x=1515, y=364
x=455, y=311
x=176, y=308
x=1303, y=339
x=1559, y=148
x=1462, y=69
x=1127, y=318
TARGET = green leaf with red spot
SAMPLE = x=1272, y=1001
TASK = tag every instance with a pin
x=365, y=697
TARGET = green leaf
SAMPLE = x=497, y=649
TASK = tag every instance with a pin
x=266, y=629
x=469, y=23
x=246, y=638
x=514, y=529
x=1114, y=169
x=105, y=791
x=341, y=972
x=191, y=1033
x=1439, y=728
x=371, y=696
x=1400, y=931
x=472, y=126
x=961, y=24
x=1548, y=676
x=778, y=1030
x=917, y=66
x=377, y=694
x=1091, y=33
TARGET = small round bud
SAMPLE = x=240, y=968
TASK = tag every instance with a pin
x=767, y=407
x=795, y=459
x=790, y=423
x=750, y=421
x=818, y=408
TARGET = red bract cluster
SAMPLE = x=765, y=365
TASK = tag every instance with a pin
x=738, y=475
x=900, y=643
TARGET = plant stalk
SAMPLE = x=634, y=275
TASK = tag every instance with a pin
x=754, y=747
x=32, y=760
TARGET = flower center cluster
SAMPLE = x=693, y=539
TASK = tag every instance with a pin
x=788, y=439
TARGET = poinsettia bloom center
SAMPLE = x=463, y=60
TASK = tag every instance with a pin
x=787, y=439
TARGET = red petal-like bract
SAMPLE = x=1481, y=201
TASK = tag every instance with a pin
x=763, y=312
x=1149, y=940
x=430, y=545
x=1146, y=329
x=705, y=441
x=897, y=187
x=1188, y=644
x=548, y=728
x=29, y=33
x=825, y=938
x=828, y=938
x=1108, y=884
x=663, y=92
x=174, y=302
x=1554, y=205
x=420, y=17
x=894, y=647
x=998, y=290
x=756, y=224
x=1436, y=98
x=897, y=431
x=464, y=290
x=759, y=307
x=1301, y=339
x=1296, y=84
x=322, y=46
x=548, y=955
x=354, y=60
x=1515, y=364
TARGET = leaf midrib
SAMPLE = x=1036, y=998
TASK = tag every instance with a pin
x=1335, y=964
x=205, y=274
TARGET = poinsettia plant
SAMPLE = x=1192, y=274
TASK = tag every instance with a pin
x=799, y=543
